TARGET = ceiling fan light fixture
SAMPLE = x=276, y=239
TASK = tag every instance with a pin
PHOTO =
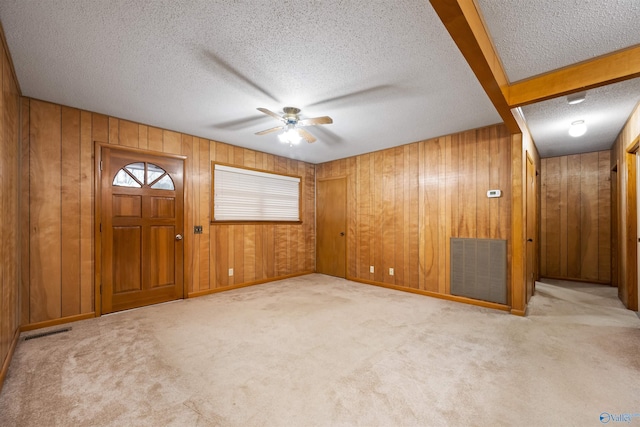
x=577, y=128
x=293, y=126
x=576, y=98
x=290, y=136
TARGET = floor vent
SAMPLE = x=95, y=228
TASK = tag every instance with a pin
x=479, y=269
x=46, y=334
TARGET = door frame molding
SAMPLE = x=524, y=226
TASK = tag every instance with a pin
x=535, y=225
x=633, y=229
x=631, y=241
x=97, y=194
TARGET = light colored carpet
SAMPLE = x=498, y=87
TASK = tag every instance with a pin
x=319, y=351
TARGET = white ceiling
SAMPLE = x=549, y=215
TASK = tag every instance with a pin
x=387, y=72
x=604, y=110
x=534, y=37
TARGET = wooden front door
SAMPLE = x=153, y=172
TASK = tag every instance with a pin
x=141, y=229
x=331, y=224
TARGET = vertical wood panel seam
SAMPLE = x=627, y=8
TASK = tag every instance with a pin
x=597, y=220
x=564, y=182
x=96, y=154
x=581, y=213
x=28, y=213
x=79, y=146
x=60, y=196
x=476, y=136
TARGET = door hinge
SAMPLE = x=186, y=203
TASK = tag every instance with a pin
x=100, y=289
x=100, y=164
x=101, y=227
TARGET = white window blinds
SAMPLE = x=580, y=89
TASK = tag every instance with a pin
x=248, y=195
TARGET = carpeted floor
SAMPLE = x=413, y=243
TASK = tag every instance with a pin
x=320, y=351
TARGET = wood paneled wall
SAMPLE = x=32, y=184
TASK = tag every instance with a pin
x=626, y=226
x=576, y=217
x=9, y=208
x=405, y=203
x=59, y=258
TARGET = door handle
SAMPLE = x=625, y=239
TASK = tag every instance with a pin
x=529, y=240
x=342, y=233
x=178, y=236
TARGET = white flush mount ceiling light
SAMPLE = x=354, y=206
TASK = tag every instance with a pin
x=577, y=128
x=576, y=98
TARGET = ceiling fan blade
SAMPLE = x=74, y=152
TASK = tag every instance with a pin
x=325, y=120
x=239, y=123
x=327, y=136
x=262, y=132
x=373, y=94
x=271, y=113
x=306, y=135
x=220, y=63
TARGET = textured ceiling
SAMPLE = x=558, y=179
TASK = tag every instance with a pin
x=533, y=37
x=387, y=72
x=604, y=110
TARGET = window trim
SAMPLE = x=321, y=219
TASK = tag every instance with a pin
x=251, y=221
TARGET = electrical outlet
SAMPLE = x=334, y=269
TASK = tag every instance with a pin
x=371, y=269
x=391, y=272
x=231, y=272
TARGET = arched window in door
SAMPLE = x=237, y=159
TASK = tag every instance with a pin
x=137, y=175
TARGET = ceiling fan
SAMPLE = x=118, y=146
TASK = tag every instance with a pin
x=292, y=124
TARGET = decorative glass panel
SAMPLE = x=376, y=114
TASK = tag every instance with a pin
x=133, y=175
x=153, y=173
x=164, y=183
x=137, y=170
x=123, y=179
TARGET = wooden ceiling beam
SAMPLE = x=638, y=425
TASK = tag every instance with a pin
x=464, y=23
x=603, y=70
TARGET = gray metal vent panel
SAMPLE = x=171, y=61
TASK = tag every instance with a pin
x=479, y=269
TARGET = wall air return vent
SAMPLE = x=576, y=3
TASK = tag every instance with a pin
x=479, y=269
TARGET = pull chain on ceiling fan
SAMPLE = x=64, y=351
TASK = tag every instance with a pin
x=292, y=125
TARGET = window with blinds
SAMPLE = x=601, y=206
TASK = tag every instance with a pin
x=250, y=195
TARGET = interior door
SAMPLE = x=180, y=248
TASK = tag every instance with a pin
x=141, y=229
x=531, y=227
x=331, y=225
